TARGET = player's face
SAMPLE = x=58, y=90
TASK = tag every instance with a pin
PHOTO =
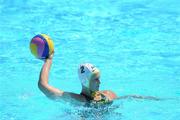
x=95, y=82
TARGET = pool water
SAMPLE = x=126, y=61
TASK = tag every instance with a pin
x=135, y=44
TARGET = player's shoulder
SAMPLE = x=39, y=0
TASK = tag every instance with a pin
x=110, y=93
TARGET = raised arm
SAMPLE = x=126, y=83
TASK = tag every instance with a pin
x=43, y=85
x=52, y=92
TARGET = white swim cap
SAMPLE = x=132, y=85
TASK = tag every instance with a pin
x=85, y=72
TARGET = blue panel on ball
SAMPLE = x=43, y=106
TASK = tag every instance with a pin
x=46, y=48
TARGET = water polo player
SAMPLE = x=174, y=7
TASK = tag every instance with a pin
x=89, y=76
x=42, y=47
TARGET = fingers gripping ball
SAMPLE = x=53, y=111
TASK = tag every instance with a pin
x=41, y=46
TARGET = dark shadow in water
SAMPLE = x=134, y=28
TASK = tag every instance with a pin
x=92, y=112
x=99, y=112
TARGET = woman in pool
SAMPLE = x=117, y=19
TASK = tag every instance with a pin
x=89, y=76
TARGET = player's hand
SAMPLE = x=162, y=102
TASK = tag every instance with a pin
x=51, y=55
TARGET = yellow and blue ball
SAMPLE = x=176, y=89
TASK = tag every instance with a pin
x=41, y=46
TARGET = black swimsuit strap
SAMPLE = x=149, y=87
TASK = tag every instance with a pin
x=87, y=97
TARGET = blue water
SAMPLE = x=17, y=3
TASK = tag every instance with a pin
x=135, y=44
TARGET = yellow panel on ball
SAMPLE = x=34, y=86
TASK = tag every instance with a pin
x=50, y=43
x=33, y=48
